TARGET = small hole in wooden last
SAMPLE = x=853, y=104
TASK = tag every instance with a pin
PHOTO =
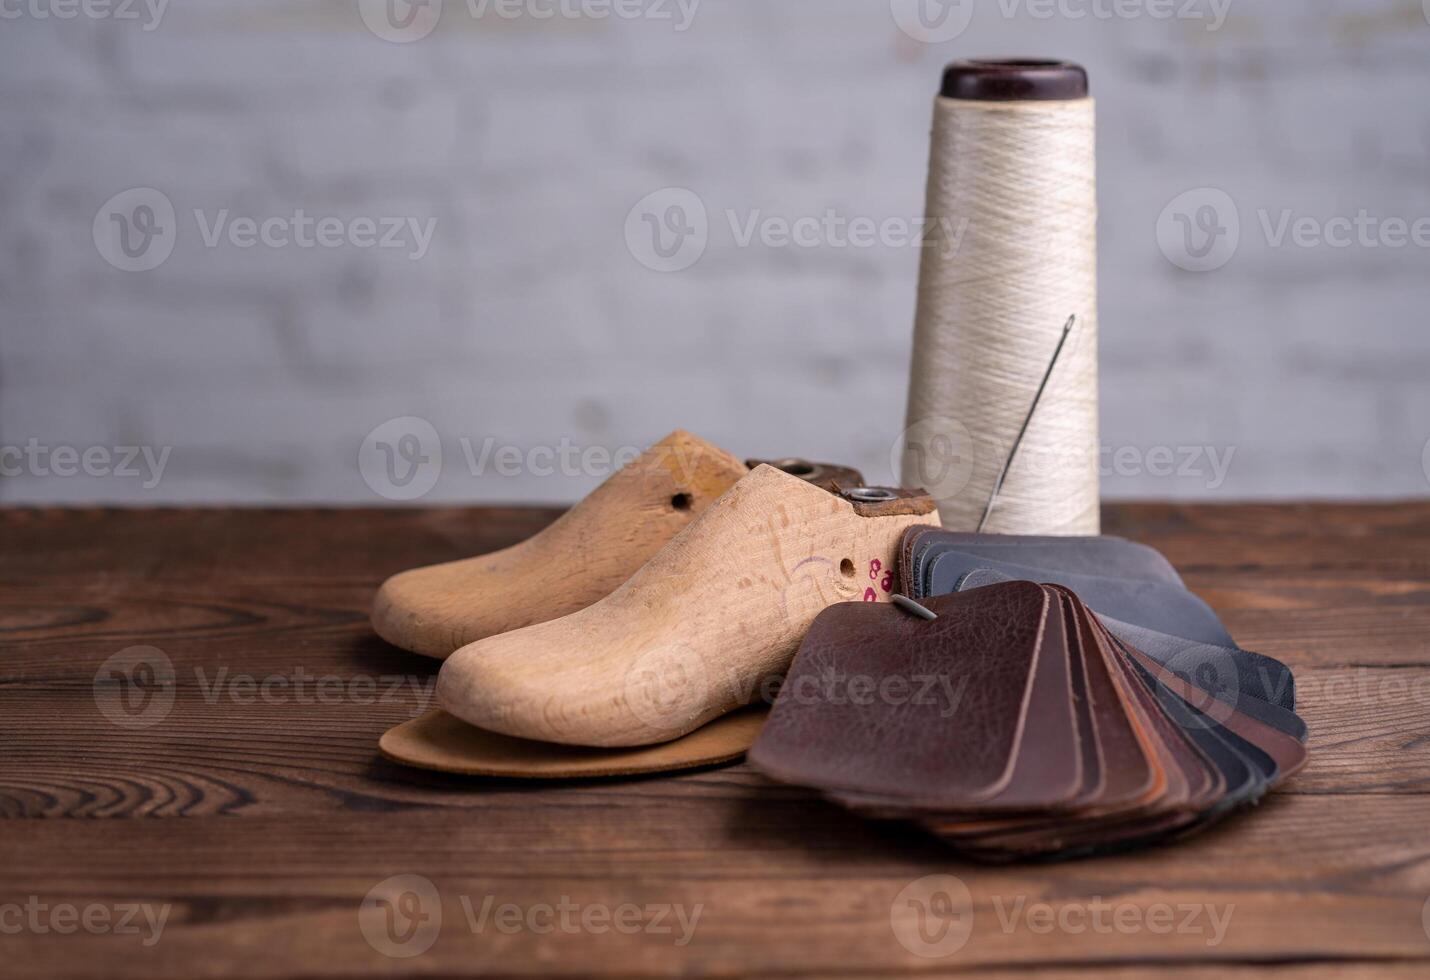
x=796, y=467
x=846, y=568
x=681, y=501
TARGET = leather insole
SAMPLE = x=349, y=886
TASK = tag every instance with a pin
x=443, y=743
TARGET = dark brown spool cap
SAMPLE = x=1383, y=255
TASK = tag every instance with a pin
x=1014, y=80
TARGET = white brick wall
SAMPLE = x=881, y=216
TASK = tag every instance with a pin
x=529, y=322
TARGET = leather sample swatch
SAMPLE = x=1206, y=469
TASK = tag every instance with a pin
x=1015, y=725
x=1095, y=555
x=1170, y=609
x=816, y=736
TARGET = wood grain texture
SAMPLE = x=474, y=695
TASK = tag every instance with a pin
x=261, y=816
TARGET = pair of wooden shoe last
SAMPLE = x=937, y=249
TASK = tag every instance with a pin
x=628, y=635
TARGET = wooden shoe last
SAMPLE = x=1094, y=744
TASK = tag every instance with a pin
x=692, y=634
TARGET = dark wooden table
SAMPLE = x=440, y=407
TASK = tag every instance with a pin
x=251, y=813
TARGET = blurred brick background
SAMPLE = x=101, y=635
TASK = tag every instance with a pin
x=529, y=322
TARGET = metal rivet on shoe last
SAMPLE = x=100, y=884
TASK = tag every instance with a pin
x=869, y=495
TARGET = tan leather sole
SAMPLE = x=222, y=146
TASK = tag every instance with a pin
x=440, y=742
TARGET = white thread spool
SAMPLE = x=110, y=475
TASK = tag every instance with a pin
x=1012, y=193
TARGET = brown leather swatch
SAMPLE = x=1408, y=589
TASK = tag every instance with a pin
x=876, y=697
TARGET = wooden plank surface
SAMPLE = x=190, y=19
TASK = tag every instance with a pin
x=254, y=815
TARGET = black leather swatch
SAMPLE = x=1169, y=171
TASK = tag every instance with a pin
x=1155, y=605
x=1093, y=555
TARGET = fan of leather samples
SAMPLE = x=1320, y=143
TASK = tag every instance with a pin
x=1015, y=725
